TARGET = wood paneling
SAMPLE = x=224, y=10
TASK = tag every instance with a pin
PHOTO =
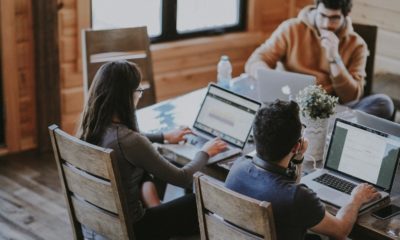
x=386, y=15
x=369, y=14
x=72, y=100
x=10, y=84
x=71, y=121
x=180, y=68
x=18, y=75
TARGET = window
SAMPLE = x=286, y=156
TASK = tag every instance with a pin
x=171, y=19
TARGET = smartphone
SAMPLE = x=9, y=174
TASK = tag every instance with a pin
x=386, y=212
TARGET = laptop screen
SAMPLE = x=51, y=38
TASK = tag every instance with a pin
x=226, y=115
x=363, y=153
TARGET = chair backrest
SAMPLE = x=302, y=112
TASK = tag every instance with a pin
x=369, y=34
x=92, y=187
x=131, y=44
x=225, y=214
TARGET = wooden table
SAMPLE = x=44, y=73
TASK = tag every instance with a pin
x=183, y=111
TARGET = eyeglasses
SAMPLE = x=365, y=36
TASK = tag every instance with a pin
x=140, y=92
x=332, y=19
x=303, y=128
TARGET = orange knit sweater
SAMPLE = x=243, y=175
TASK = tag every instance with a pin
x=296, y=43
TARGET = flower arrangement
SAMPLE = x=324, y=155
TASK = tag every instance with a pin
x=316, y=103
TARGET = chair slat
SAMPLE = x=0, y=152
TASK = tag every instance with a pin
x=117, y=40
x=83, y=156
x=96, y=191
x=114, y=56
x=141, y=62
x=221, y=230
x=97, y=219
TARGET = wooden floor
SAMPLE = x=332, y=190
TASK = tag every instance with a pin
x=31, y=203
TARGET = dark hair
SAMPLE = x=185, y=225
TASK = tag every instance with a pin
x=276, y=130
x=111, y=94
x=344, y=5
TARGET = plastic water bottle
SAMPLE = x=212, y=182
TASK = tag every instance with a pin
x=224, y=72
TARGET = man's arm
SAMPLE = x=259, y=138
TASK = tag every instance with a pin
x=347, y=87
x=339, y=227
x=347, y=83
x=270, y=52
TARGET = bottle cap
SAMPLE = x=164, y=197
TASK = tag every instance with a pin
x=224, y=58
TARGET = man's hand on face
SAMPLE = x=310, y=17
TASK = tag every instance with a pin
x=330, y=42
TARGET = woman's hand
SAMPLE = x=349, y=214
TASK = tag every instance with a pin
x=177, y=135
x=214, y=146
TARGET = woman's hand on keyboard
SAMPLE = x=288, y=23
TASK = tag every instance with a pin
x=214, y=146
x=177, y=135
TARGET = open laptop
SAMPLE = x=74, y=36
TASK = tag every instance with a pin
x=356, y=154
x=223, y=114
x=273, y=84
x=377, y=123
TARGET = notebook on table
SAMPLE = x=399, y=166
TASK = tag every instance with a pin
x=356, y=154
x=223, y=114
x=273, y=84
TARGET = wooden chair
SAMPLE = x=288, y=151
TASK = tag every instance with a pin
x=369, y=34
x=92, y=187
x=131, y=44
x=225, y=214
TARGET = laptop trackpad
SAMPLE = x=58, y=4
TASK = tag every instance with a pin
x=328, y=195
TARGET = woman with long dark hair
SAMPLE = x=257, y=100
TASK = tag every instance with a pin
x=109, y=120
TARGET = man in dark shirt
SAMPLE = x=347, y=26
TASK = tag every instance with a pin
x=272, y=173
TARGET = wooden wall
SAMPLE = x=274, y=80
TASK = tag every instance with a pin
x=386, y=15
x=18, y=75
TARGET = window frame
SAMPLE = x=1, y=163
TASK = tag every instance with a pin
x=169, y=18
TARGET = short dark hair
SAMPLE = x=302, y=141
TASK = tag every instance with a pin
x=276, y=130
x=344, y=5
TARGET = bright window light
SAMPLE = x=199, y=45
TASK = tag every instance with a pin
x=108, y=14
x=195, y=15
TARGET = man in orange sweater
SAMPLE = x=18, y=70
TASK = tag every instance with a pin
x=321, y=42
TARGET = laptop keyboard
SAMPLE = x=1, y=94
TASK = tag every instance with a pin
x=199, y=141
x=336, y=183
x=196, y=140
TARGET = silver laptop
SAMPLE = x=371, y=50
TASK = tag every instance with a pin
x=356, y=154
x=377, y=123
x=273, y=84
x=222, y=114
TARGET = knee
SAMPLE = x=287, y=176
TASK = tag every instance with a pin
x=385, y=103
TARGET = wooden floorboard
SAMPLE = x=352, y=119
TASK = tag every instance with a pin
x=31, y=202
